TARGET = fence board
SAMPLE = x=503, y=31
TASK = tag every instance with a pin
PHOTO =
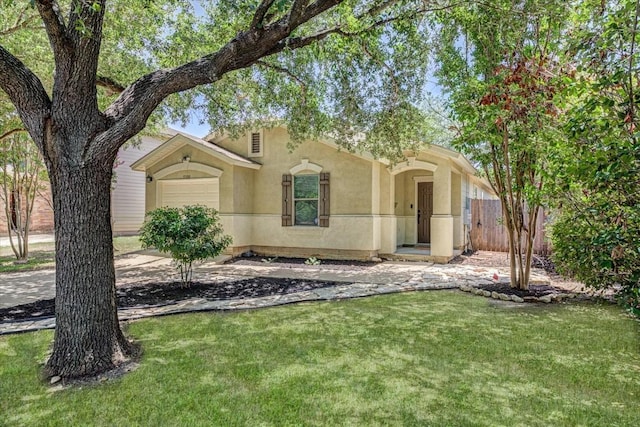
x=489, y=234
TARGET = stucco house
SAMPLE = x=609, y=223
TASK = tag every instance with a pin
x=317, y=200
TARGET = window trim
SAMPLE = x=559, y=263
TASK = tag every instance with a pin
x=294, y=200
x=323, y=193
x=305, y=166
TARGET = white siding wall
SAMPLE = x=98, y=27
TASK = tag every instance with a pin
x=127, y=196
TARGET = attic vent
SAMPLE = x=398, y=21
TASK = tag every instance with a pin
x=255, y=144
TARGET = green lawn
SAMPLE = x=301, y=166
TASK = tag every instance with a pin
x=430, y=358
x=42, y=255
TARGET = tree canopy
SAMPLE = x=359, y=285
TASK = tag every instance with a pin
x=344, y=67
x=505, y=86
x=596, y=236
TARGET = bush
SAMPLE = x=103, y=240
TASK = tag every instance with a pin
x=188, y=234
x=597, y=240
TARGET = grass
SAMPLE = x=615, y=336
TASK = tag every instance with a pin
x=430, y=358
x=42, y=255
x=37, y=259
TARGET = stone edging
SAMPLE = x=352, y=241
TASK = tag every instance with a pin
x=434, y=277
x=554, y=297
x=339, y=292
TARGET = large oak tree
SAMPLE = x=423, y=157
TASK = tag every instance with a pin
x=320, y=66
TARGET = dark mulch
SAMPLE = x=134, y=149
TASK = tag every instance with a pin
x=331, y=264
x=155, y=294
x=534, y=290
x=501, y=259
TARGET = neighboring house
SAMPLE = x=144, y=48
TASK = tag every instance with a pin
x=127, y=196
x=41, y=216
x=317, y=200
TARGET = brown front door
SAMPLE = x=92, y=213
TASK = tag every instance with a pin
x=425, y=209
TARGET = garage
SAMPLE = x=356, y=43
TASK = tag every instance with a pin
x=181, y=192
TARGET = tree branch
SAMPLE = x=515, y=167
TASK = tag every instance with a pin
x=297, y=11
x=55, y=27
x=85, y=20
x=288, y=73
x=26, y=93
x=85, y=33
x=109, y=84
x=299, y=42
x=11, y=132
x=258, y=18
x=21, y=23
x=281, y=70
x=128, y=114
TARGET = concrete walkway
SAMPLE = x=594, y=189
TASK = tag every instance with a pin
x=387, y=277
x=33, y=238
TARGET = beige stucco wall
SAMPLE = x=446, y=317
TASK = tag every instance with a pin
x=251, y=200
x=243, y=190
x=350, y=191
x=373, y=207
x=456, y=208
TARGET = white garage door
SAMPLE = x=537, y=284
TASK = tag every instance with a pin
x=181, y=192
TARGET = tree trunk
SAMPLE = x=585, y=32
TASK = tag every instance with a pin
x=88, y=339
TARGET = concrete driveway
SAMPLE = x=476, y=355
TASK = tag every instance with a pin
x=28, y=286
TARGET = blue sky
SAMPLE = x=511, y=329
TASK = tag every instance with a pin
x=192, y=128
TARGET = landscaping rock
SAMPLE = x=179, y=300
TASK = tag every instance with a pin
x=504, y=297
x=516, y=298
x=545, y=298
x=55, y=379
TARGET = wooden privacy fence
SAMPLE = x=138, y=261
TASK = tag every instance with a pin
x=489, y=234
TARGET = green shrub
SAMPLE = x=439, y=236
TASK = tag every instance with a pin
x=596, y=239
x=312, y=261
x=188, y=234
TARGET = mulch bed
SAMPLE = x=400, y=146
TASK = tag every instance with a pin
x=330, y=264
x=156, y=294
x=165, y=293
x=501, y=259
x=533, y=291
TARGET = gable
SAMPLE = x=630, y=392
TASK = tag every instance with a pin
x=189, y=146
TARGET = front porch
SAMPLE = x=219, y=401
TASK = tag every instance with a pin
x=428, y=208
x=420, y=253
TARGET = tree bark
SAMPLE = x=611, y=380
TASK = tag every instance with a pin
x=88, y=339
